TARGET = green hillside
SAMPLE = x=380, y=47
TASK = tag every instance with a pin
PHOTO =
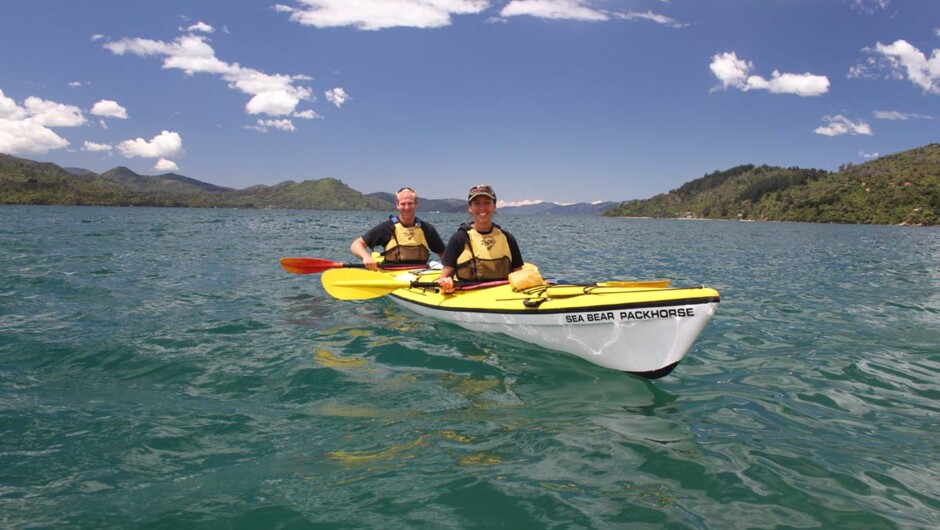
x=902, y=188
x=24, y=181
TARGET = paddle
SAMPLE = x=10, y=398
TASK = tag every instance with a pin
x=351, y=284
x=317, y=265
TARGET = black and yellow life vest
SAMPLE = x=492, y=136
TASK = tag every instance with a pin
x=487, y=257
x=407, y=245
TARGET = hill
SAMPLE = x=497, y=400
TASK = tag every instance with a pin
x=167, y=183
x=24, y=181
x=902, y=188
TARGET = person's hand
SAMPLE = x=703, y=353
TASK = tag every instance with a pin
x=369, y=263
x=447, y=284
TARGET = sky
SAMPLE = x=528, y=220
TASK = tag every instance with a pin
x=546, y=100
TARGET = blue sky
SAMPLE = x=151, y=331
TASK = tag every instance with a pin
x=556, y=100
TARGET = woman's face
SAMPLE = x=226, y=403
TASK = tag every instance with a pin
x=482, y=208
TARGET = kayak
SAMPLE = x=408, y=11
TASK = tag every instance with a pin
x=644, y=328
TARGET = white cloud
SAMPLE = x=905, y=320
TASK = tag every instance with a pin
x=284, y=125
x=272, y=94
x=899, y=116
x=163, y=145
x=9, y=110
x=165, y=165
x=26, y=137
x=839, y=125
x=734, y=72
x=380, y=14
x=901, y=60
x=96, y=36
x=201, y=26
x=110, y=109
x=26, y=129
x=92, y=146
x=554, y=9
x=654, y=17
x=336, y=96
x=870, y=6
x=52, y=114
x=75, y=84
x=863, y=154
x=308, y=114
x=263, y=126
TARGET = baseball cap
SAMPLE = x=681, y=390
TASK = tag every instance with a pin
x=481, y=189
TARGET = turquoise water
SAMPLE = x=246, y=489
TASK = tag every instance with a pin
x=159, y=370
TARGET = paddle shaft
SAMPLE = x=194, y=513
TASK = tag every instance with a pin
x=317, y=265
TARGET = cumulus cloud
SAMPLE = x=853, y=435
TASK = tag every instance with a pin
x=94, y=147
x=839, y=125
x=271, y=94
x=380, y=14
x=863, y=154
x=75, y=84
x=162, y=145
x=26, y=137
x=336, y=96
x=109, y=109
x=52, y=114
x=899, y=116
x=26, y=129
x=554, y=9
x=735, y=73
x=901, y=60
x=165, y=165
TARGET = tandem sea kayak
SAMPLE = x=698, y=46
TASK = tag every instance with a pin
x=644, y=328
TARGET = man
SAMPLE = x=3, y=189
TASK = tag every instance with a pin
x=406, y=239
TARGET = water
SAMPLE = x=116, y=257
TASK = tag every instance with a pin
x=159, y=370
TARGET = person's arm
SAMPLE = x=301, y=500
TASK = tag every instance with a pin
x=361, y=251
x=435, y=243
x=517, y=261
x=449, y=261
x=446, y=281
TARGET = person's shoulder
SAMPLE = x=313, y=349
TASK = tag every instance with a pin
x=504, y=231
x=426, y=225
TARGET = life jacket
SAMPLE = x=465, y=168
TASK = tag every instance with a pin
x=487, y=257
x=407, y=245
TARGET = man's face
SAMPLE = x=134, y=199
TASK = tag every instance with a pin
x=406, y=203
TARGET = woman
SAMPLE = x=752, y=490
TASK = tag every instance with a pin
x=481, y=250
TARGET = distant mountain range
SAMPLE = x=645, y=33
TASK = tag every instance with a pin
x=541, y=208
x=24, y=181
x=903, y=188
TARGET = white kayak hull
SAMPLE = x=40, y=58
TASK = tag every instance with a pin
x=646, y=337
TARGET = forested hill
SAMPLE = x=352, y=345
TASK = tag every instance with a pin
x=24, y=181
x=902, y=188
